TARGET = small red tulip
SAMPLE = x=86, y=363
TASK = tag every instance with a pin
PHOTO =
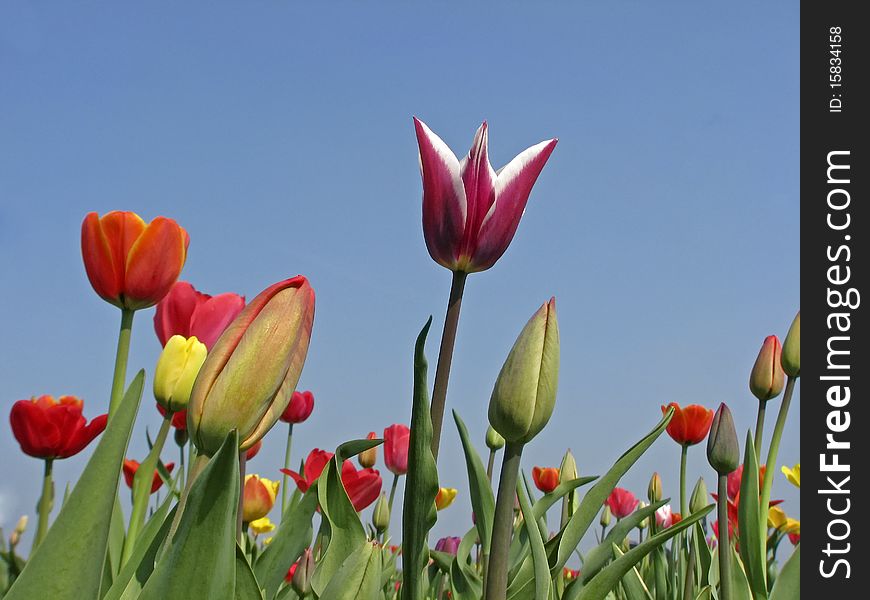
x=621, y=502
x=735, y=477
x=314, y=465
x=363, y=487
x=130, y=468
x=689, y=425
x=49, y=428
x=179, y=419
x=129, y=263
x=396, y=440
x=186, y=312
x=794, y=538
x=546, y=478
x=299, y=409
x=254, y=450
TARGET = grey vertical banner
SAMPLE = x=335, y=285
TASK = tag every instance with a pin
x=835, y=225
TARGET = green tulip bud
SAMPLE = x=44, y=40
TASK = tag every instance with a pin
x=381, y=514
x=176, y=370
x=525, y=392
x=494, y=441
x=181, y=437
x=644, y=523
x=604, y=521
x=654, y=490
x=791, y=349
x=568, y=468
x=301, y=581
x=250, y=374
x=699, y=497
x=723, y=449
x=766, y=378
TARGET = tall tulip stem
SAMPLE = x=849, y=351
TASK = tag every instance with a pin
x=390, y=503
x=684, y=506
x=142, y=482
x=243, y=461
x=773, y=450
x=119, y=379
x=724, y=543
x=285, y=479
x=445, y=357
x=46, y=502
x=497, y=569
x=759, y=428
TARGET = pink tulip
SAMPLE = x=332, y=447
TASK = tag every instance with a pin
x=396, y=440
x=185, y=311
x=621, y=502
x=470, y=211
x=300, y=407
x=664, y=517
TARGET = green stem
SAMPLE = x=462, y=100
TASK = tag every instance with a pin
x=724, y=543
x=285, y=479
x=684, y=506
x=390, y=503
x=46, y=502
x=759, y=428
x=142, y=489
x=119, y=379
x=497, y=570
x=445, y=357
x=243, y=461
x=774, y=450
x=490, y=464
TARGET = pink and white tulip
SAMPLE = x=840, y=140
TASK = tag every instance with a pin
x=470, y=211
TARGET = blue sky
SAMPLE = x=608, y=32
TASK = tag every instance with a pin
x=665, y=223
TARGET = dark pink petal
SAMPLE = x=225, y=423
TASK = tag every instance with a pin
x=174, y=312
x=478, y=178
x=211, y=317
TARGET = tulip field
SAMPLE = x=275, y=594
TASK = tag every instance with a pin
x=323, y=524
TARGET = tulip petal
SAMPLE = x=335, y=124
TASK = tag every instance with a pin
x=105, y=274
x=445, y=205
x=211, y=317
x=174, y=312
x=513, y=186
x=154, y=263
x=478, y=178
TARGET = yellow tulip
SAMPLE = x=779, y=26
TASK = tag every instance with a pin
x=776, y=517
x=263, y=525
x=445, y=497
x=176, y=370
x=259, y=497
x=793, y=474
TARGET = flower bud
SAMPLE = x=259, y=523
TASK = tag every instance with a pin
x=20, y=528
x=301, y=581
x=568, y=468
x=546, y=478
x=699, y=497
x=654, y=490
x=448, y=545
x=259, y=497
x=248, y=378
x=445, y=497
x=791, y=349
x=723, y=449
x=381, y=514
x=604, y=521
x=299, y=408
x=368, y=458
x=766, y=379
x=644, y=523
x=494, y=441
x=525, y=392
x=181, y=437
x=176, y=370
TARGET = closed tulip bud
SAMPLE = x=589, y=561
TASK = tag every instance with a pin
x=19, y=530
x=699, y=496
x=654, y=490
x=301, y=581
x=568, y=468
x=248, y=378
x=368, y=458
x=604, y=521
x=766, y=379
x=791, y=349
x=259, y=497
x=723, y=449
x=181, y=437
x=525, y=391
x=644, y=523
x=381, y=514
x=176, y=370
x=494, y=441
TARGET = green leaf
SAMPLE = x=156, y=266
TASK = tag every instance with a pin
x=595, y=497
x=752, y=523
x=346, y=533
x=421, y=484
x=703, y=557
x=140, y=565
x=464, y=580
x=115, y=547
x=635, y=588
x=482, y=499
x=609, y=576
x=68, y=565
x=201, y=556
x=740, y=589
x=290, y=540
x=539, y=556
x=788, y=582
x=544, y=503
x=247, y=587
x=359, y=578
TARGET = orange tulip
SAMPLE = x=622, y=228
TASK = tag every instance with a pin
x=259, y=497
x=129, y=263
x=689, y=425
x=546, y=478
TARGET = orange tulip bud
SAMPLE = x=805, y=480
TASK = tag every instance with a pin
x=259, y=497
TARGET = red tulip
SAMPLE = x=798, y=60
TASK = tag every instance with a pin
x=179, y=419
x=291, y=572
x=767, y=377
x=689, y=425
x=363, y=487
x=314, y=465
x=187, y=312
x=300, y=407
x=49, y=428
x=794, y=538
x=546, y=478
x=130, y=264
x=396, y=440
x=621, y=502
x=130, y=468
x=736, y=476
x=470, y=211
x=254, y=450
